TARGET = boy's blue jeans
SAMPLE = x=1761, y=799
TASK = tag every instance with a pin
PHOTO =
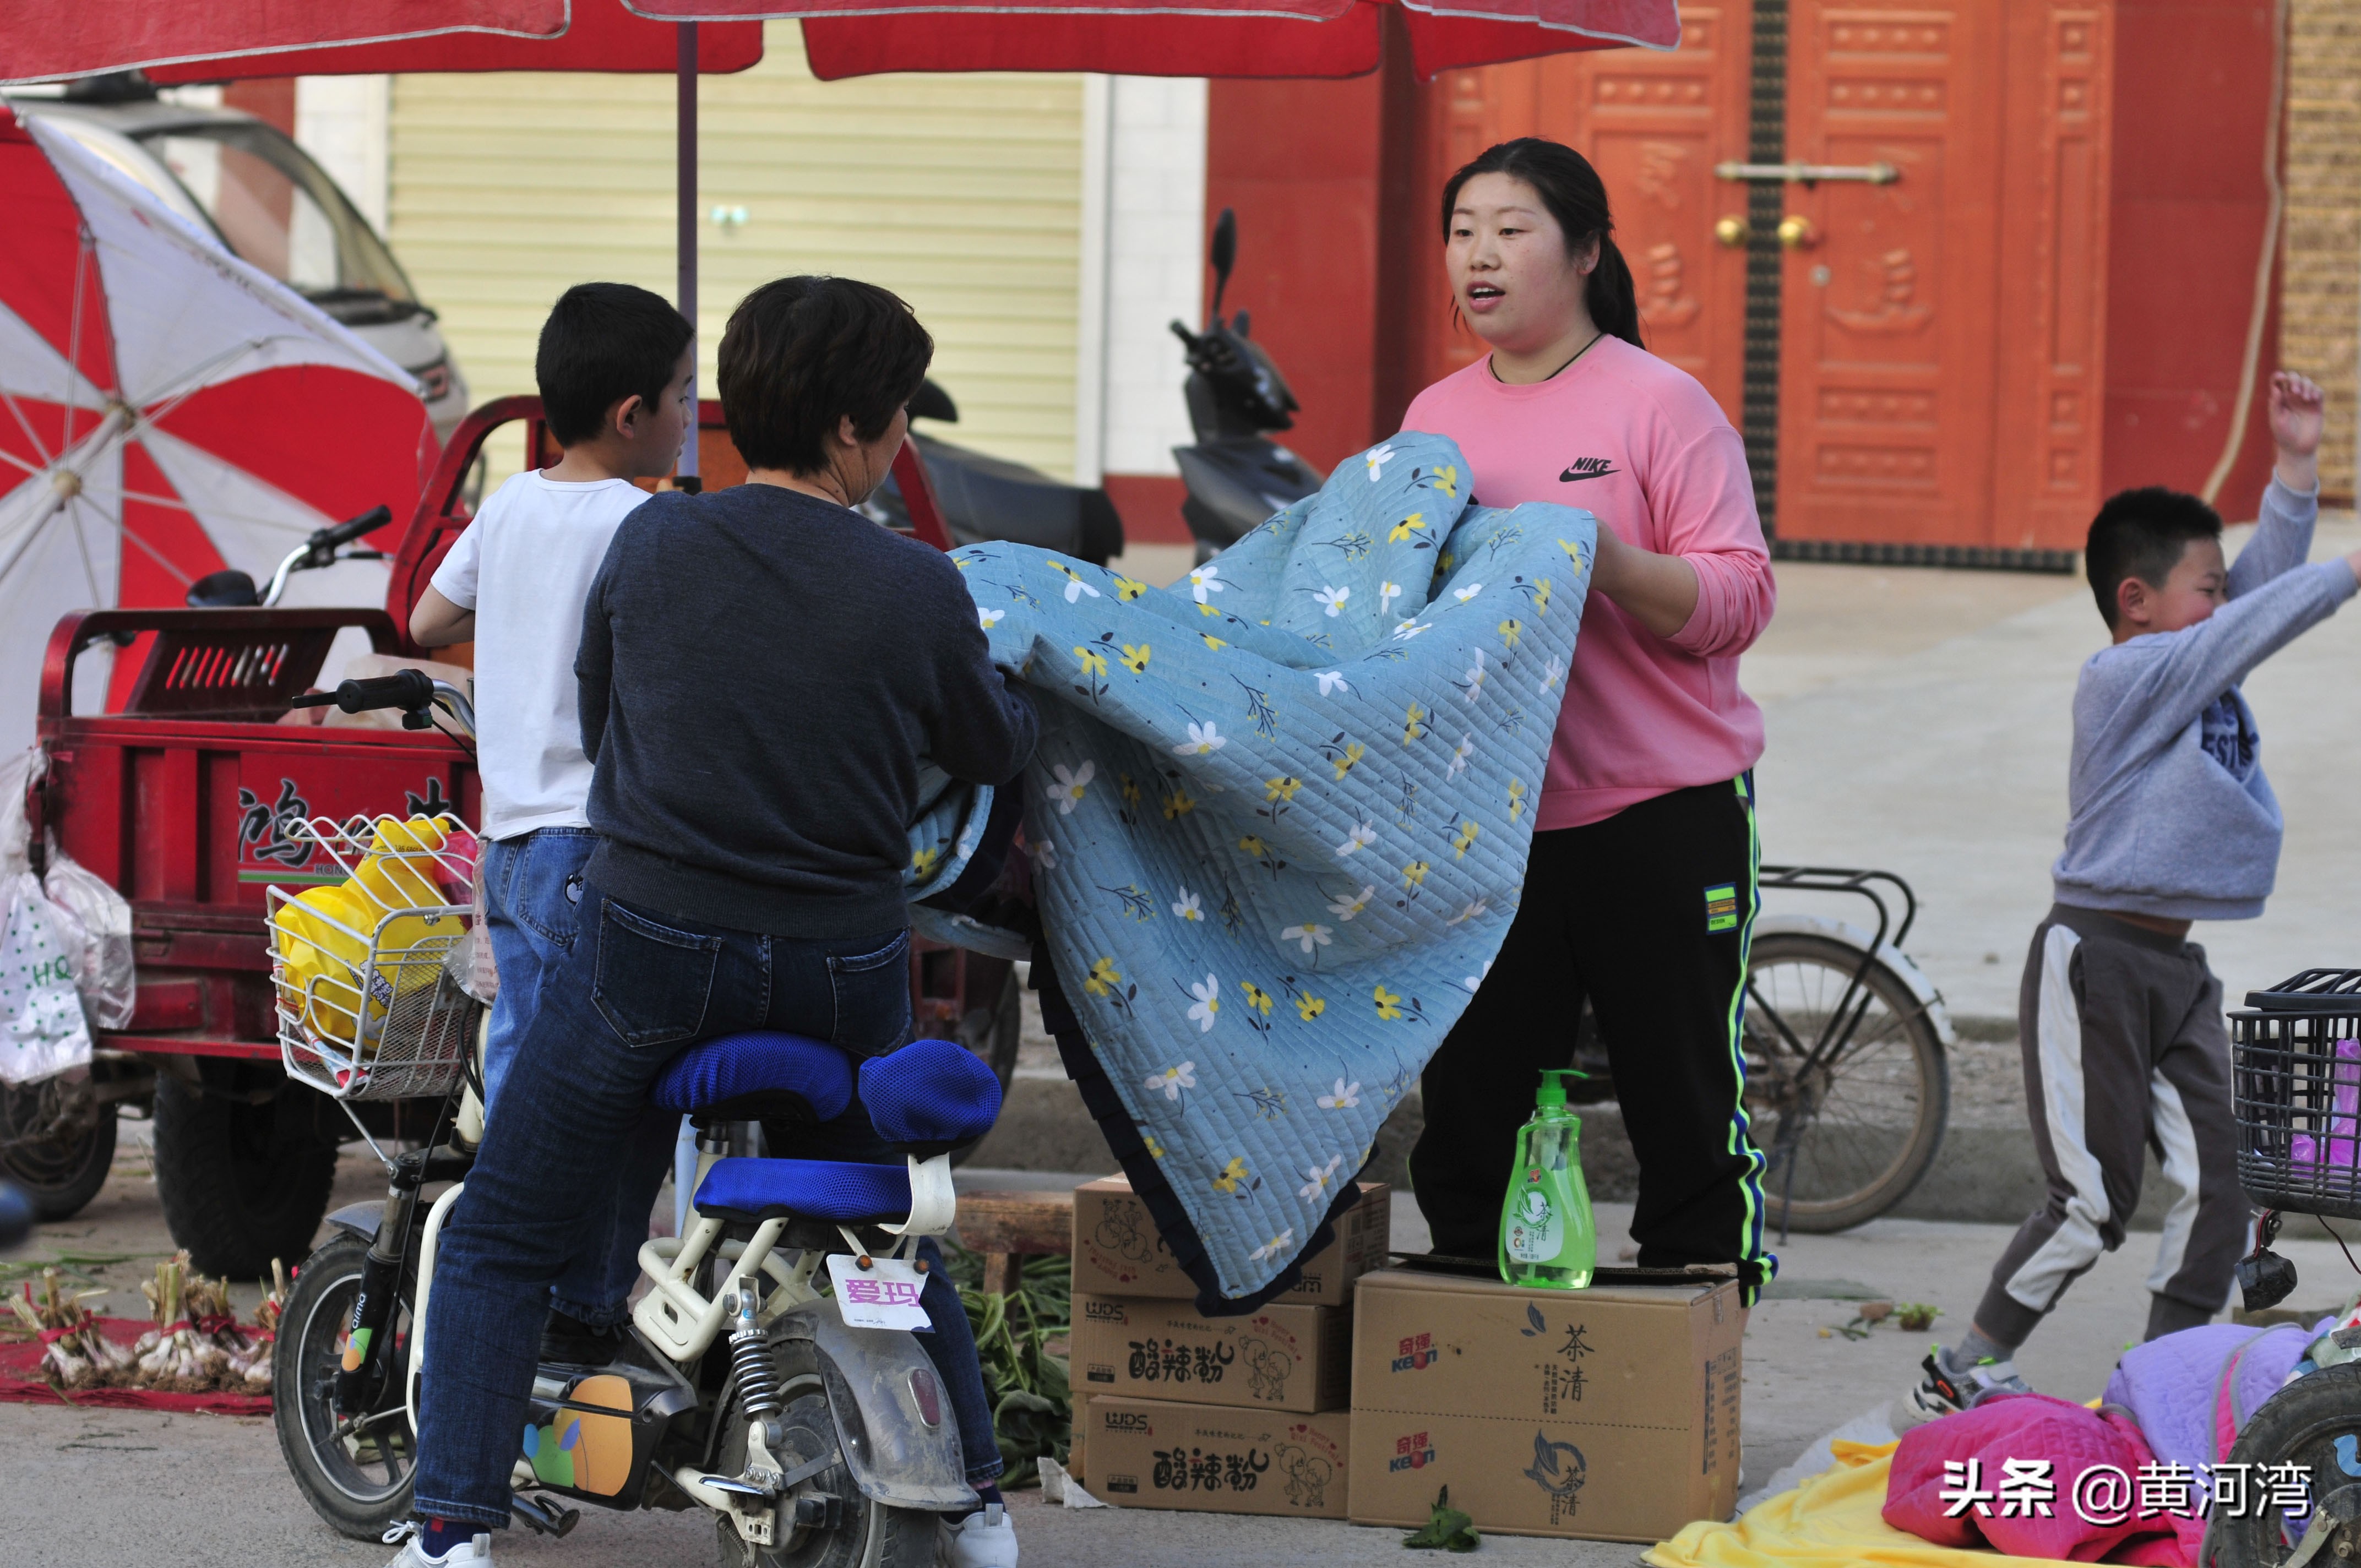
x=533, y=887
x=632, y=990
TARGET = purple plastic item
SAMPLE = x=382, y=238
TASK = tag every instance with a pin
x=2343, y=1124
x=2344, y=1117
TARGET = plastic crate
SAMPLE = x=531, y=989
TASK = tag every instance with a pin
x=2296, y=1087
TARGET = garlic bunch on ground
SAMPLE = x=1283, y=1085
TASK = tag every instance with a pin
x=254, y=1364
x=169, y=1359
x=76, y=1354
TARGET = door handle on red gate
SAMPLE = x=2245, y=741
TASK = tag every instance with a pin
x=1808, y=173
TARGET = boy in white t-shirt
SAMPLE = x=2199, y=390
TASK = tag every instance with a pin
x=613, y=364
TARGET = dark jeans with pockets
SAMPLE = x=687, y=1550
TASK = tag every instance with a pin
x=635, y=988
x=532, y=894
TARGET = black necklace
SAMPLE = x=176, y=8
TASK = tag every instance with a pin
x=1561, y=369
x=1579, y=352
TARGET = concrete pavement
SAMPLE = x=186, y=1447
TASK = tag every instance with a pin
x=97, y=1488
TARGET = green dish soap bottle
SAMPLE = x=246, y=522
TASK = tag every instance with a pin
x=1548, y=1239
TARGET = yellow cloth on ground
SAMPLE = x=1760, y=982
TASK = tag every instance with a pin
x=1831, y=1521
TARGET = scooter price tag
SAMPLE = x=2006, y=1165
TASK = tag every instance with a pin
x=882, y=1296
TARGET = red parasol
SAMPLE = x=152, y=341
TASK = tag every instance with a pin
x=53, y=41
x=1209, y=37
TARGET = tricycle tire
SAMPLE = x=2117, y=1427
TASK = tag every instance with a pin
x=60, y=1174
x=236, y=1194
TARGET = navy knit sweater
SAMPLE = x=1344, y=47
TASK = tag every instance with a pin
x=761, y=671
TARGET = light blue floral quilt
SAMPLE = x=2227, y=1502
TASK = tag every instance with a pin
x=1278, y=818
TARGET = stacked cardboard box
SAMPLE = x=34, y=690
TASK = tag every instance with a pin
x=1176, y=1409
x=1609, y=1413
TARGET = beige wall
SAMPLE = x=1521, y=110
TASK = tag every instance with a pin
x=2320, y=321
x=961, y=192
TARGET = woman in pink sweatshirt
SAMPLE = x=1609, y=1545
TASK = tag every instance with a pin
x=1640, y=891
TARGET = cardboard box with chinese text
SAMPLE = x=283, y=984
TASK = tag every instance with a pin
x=1117, y=1251
x=1280, y=1358
x=1610, y=1413
x=1152, y=1454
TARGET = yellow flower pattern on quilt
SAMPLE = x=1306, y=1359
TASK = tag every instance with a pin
x=1263, y=841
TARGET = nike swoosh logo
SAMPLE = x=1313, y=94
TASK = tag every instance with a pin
x=1582, y=469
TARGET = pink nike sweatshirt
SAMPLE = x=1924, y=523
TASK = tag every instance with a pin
x=1644, y=447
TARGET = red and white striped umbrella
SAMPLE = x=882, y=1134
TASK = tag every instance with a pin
x=166, y=410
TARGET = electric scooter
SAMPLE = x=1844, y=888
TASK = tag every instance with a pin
x=1238, y=476
x=772, y=1379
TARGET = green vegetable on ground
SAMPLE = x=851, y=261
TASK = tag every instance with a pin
x=1447, y=1528
x=1032, y=1402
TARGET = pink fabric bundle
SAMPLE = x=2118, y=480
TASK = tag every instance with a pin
x=2033, y=1426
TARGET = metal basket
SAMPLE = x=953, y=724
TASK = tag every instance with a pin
x=2296, y=1056
x=371, y=1003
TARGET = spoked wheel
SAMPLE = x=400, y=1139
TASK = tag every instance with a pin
x=1846, y=1085
x=356, y=1474
x=2313, y=1424
x=872, y=1535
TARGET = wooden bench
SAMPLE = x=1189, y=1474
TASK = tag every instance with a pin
x=1007, y=1228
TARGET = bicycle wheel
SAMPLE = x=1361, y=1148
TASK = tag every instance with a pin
x=2309, y=1426
x=1848, y=1110
x=356, y=1474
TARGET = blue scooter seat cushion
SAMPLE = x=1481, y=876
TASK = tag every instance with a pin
x=929, y=1096
x=762, y=1073
x=806, y=1189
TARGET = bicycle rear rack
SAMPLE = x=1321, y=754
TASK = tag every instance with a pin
x=1846, y=1017
x=1830, y=878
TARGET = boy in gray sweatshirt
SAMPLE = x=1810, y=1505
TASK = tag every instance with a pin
x=2172, y=821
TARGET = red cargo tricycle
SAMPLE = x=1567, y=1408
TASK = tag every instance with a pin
x=185, y=801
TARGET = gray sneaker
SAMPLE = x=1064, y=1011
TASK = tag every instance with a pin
x=1946, y=1386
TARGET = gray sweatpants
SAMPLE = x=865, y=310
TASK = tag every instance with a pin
x=2124, y=1048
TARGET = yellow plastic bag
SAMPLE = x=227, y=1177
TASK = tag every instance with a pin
x=322, y=941
x=325, y=938
x=398, y=870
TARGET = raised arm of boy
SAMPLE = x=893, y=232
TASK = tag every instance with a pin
x=2290, y=503
x=2187, y=641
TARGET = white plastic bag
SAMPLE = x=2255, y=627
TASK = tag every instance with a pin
x=107, y=973
x=43, y=1029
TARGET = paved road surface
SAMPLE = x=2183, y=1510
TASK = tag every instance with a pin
x=99, y=1489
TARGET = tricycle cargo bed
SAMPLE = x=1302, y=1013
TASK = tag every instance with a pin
x=183, y=801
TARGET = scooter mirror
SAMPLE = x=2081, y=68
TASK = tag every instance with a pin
x=224, y=590
x=932, y=403
x=1224, y=255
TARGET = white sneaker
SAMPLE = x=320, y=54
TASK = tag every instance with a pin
x=1945, y=1388
x=987, y=1539
x=475, y=1552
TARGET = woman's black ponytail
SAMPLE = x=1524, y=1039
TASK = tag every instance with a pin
x=1570, y=188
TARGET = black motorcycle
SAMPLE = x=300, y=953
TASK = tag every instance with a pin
x=1236, y=476
x=984, y=498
